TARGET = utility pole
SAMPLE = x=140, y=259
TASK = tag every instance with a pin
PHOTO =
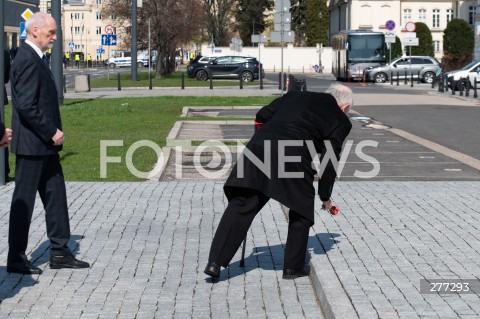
x=57, y=51
x=134, y=40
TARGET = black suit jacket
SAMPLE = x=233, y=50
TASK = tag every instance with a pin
x=6, y=73
x=297, y=116
x=35, y=112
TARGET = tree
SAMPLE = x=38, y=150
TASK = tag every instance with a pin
x=396, y=49
x=299, y=21
x=219, y=15
x=312, y=31
x=425, y=44
x=458, y=45
x=250, y=18
x=173, y=23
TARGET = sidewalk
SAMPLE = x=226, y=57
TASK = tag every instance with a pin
x=148, y=243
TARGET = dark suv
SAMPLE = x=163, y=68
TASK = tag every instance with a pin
x=424, y=66
x=229, y=67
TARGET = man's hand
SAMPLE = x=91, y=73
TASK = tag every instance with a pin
x=327, y=205
x=7, y=138
x=58, y=138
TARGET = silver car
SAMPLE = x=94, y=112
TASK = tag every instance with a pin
x=424, y=66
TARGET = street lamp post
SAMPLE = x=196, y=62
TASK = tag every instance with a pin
x=320, y=49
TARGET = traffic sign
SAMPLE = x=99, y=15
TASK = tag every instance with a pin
x=101, y=51
x=282, y=5
x=23, y=32
x=412, y=42
x=109, y=39
x=390, y=36
x=390, y=25
x=276, y=36
x=410, y=26
x=26, y=14
x=109, y=29
x=71, y=45
x=258, y=38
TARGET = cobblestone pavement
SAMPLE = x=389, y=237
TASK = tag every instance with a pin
x=389, y=235
x=148, y=244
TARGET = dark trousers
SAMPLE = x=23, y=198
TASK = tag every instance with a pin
x=43, y=174
x=236, y=221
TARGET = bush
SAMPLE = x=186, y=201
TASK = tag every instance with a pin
x=458, y=45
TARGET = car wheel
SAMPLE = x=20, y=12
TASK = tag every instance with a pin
x=112, y=65
x=201, y=75
x=380, y=77
x=247, y=76
x=428, y=77
x=139, y=65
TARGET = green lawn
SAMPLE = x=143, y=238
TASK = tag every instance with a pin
x=87, y=122
x=173, y=80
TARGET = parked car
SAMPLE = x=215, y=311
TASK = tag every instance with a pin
x=124, y=59
x=229, y=67
x=201, y=59
x=458, y=78
x=424, y=66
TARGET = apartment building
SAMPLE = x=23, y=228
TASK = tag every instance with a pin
x=83, y=26
x=371, y=14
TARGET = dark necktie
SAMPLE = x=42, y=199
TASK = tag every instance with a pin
x=45, y=60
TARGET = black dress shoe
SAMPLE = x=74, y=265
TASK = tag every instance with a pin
x=212, y=269
x=295, y=273
x=57, y=262
x=23, y=267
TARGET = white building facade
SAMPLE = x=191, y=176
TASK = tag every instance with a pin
x=83, y=25
x=371, y=14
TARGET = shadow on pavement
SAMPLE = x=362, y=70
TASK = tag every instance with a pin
x=271, y=257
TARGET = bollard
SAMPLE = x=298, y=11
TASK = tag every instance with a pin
x=118, y=82
x=454, y=86
x=461, y=87
x=467, y=89
x=391, y=78
x=279, y=80
x=475, y=88
x=64, y=84
x=418, y=79
x=183, y=80
x=211, y=83
x=88, y=81
x=261, y=78
x=398, y=79
x=445, y=83
x=149, y=80
x=411, y=80
x=241, y=82
x=304, y=85
x=284, y=81
x=405, y=77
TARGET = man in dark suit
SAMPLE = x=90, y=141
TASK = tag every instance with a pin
x=6, y=77
x=279, y=166
x=37, y=139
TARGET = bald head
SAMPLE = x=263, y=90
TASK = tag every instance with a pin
x=41, y=30
x=342, y=94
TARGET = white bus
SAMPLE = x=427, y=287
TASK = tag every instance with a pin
x=356, y=50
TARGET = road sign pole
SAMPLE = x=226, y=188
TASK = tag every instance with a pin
x=57, y=51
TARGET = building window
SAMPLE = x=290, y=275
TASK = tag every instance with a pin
x=74, y=2
x=471, y=15
x=436, y=18
x=49, y=6
x=98, y=30
x=113, y=16
x=77, y=16
x=436, y=46
x=449, y=15
x=99, y=2
x=422, y=15
x=77, y=30
x=99, y=16
x=407, y=15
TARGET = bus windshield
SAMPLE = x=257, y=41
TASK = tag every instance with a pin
x=366, y=48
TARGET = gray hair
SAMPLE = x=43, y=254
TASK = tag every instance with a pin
x=341, y=93
x=38, y=19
